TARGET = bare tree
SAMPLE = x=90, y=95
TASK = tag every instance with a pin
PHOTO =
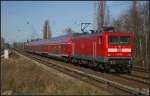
x=107, y=19
x=47, y=30
x=117, y=25
x=147, y=31
x=2, y=43
x=95, y=16
x=135, y=28
x=101, y=15
x=144, y=11
x=136, y=20
x=68, y=30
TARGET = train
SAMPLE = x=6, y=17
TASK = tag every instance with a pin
x=103, y=50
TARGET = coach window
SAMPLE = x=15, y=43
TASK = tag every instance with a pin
x=100, y=40
x=63, y=47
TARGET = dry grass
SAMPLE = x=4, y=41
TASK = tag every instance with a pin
x=22, y=76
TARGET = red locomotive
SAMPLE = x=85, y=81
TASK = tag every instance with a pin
x=104, y=50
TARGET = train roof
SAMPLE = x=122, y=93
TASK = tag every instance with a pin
x=63, y=38
x=102, y=33
x=58, y=39
x=67, y=38
x=116, y=33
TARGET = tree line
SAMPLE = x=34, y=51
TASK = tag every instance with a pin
x=136, y=20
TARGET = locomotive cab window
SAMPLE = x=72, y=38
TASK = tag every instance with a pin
x=100, y=40
x=113, y=39
x=118, y=40
x=124, y=40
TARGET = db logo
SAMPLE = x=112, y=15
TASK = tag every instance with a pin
x=119, y=50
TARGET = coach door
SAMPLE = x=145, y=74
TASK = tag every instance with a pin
x=94, y=50
x=73, y=48
x=100, y=47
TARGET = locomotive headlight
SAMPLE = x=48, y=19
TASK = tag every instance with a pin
x=111, y=62
x=126, y=49
x=129, y=63
x=112, y=49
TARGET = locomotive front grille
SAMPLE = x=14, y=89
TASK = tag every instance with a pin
x=119, y=61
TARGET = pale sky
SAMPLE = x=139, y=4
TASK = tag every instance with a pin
x=61, y=14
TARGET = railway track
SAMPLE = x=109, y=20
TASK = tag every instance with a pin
x=97, y=81
x=144, y=70
x=141, y=68
x=130, y=77
x=140, y=75
x=136, y=76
